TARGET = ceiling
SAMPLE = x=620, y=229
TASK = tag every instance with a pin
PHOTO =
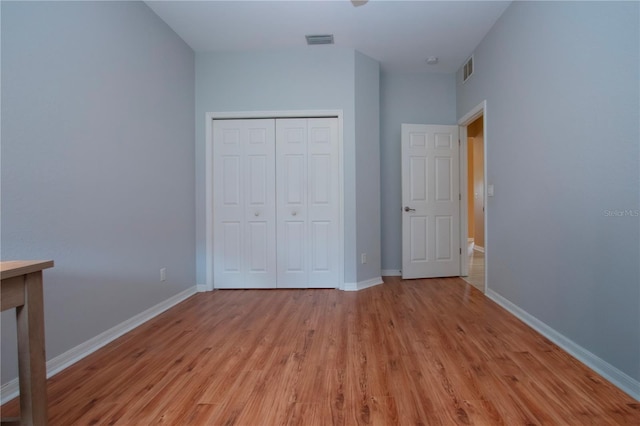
x=398, y=34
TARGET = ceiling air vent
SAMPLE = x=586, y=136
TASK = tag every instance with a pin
x=468, y=69
x=319, y=39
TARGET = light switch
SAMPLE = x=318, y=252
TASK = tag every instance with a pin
x=490, y=190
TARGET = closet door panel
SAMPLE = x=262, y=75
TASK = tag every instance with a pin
x=291, y=194
x=260, y=204
x=324, y=202
x=308, y=202
x=228, y=199
x=244, y=204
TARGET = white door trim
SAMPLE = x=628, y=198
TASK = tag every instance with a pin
x=209, y=117
x=464, y=201
x=467, y=119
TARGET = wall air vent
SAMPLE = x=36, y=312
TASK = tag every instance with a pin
x=319, y=39
x=468, y=69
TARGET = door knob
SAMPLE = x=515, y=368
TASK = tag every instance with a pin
x=409, y=209
x=294, y=213
x=256, y=214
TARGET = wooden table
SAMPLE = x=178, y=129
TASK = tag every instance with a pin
x=22, y=289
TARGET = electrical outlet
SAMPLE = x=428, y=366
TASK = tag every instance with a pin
x=163, y=274
x=363, y=258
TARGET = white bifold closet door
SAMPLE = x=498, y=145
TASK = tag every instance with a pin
x=276, y=203
x=244, y=212
x=308, y=202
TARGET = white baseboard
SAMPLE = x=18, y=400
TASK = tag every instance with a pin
x=361, y=285
x=478, y=248
x=391, y=273
x=11, y=389
x=370, y=283
x=350, y=287
x=620, y=379
x=202, y=288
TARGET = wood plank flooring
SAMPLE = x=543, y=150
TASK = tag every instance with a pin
x=405, y=352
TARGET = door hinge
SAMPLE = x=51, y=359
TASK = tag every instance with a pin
x=459, y=197
x=460, y=250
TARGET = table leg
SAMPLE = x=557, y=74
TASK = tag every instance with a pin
x=31, y=353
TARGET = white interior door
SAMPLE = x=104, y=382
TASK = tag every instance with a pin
x=244, y=227
x=308, y=202
x=430, y=201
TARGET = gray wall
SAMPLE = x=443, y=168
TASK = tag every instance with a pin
x=406, y=98
x=562, y=91
x=97, y=163
x=367, y=113
x=318, y=77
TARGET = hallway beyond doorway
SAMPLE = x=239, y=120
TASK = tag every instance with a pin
x=476, y=268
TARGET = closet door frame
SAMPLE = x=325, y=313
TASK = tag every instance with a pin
x=210, y=116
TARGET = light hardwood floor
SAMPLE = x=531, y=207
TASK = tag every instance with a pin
x=405, y=352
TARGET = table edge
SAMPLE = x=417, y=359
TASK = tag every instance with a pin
x=14, y=268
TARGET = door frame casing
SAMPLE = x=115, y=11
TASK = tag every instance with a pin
x=247, y=115
x=479, y=110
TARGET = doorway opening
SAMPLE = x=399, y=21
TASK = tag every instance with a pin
x=474, y=195
x=476, y=203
